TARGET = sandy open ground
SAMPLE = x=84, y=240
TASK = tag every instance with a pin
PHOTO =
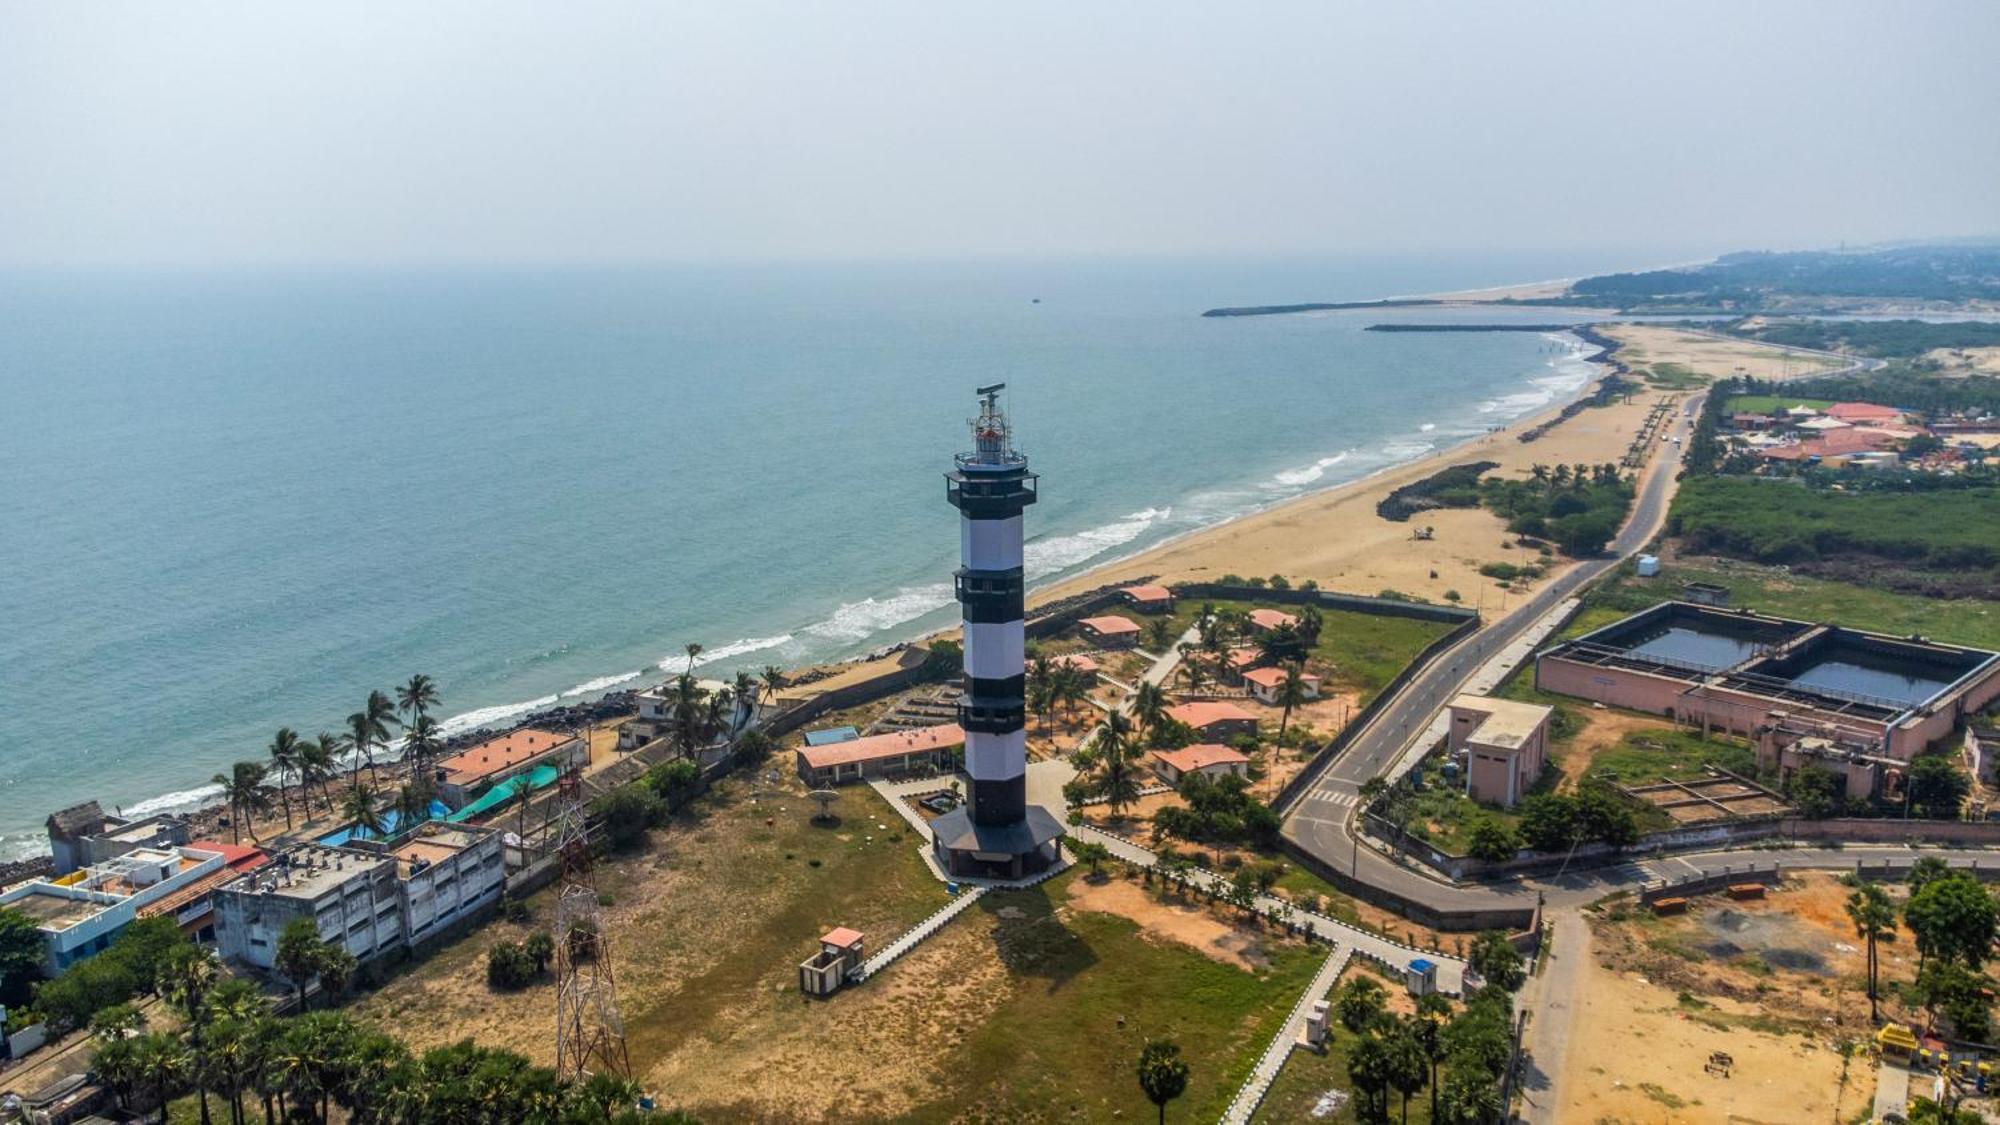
x=1335, y=536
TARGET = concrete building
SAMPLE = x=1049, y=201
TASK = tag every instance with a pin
x=1505, y=743
x=1109, y=631
x=80, y=913
x=192, y=907
x=349, y=894
x=1214, y=718
x=655, y=719
x=840, y=953
x=1211, y=759
x=371, y=899
x=1266, y=684
x=997, y=833
x=879, y=755
x=85, y=834
x=1148, y=598
x=465, y=775
x=1741, y=673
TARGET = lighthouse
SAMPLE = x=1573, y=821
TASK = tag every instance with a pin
x=998, y=833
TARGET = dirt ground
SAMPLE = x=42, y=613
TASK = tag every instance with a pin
x=1715, y=358
x=1601, y=731
x=1779, y=984
x=1193, y=925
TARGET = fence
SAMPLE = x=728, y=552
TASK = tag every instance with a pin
x=1327, y=599
x=1309, y=776
x=1714, y=881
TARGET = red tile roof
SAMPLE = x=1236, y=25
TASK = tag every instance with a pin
x=1076, y=660
x=1203, y=712
x=1271, y=618
x=1188, y=759
x=1110, y=625
x=840, y=936
x=877, y=746
x=235, y=857
x=1863, y=412
x=1275, y=677
x=504, y=752
x=1148, y=593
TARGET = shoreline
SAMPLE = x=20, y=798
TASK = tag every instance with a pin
x=203, y=802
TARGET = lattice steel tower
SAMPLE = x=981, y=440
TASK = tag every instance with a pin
x=590, y=1035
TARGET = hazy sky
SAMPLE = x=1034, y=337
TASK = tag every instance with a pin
x=495, y=130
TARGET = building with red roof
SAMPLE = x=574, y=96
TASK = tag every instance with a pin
x=1214, y=718
x=1211, y=759
x=1110, y=631
x=1149, y=598
x=1263, y=619
x=879, y=755
x=1266, y=683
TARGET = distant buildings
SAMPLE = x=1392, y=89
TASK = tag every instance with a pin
x=79, y=913
x=879, y=755
x=1505, y=743
x=369, y=899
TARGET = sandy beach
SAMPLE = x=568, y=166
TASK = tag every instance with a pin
x=1335, y=538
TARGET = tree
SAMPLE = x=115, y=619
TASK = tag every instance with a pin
x=1926, y=870
x=1160, y=634
x=164, y=1062
x=1494, y=958
x=21, y=951
x=1954, y=918
x=115, y=1056
x=1360, y=1003
x=1433, y=1012
x=319, y=764
x=417, y=697
x=1089, y=852
x=1118, y=780
x=1469, y=1097
x=1041, y=682
x=774, y=682
x=184, y=980
x=1874, y=918
x=243, y=787
x=540, y=948
x=358, y=806
x=693, y=650
x=1368, y=1069
x=627, y=813
x=1937, y=788
x=1149, y=706
x=1291, y=693
x=1493, y=841
x=752, y=747
x=284, y=752
x=1409, y=1069
x=1163, y=1073
x=299, y=955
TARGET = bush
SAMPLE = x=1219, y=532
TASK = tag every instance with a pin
x=627, y=813
x=114, y=976
x=509, y=967
x=1218, y=812
x=1493, y=841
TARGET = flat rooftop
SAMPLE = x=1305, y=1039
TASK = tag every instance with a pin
x=1853, y=671
x=53, y=911
x=434, y=844
x=1507, y=723
x=505, y=752
x=311, y=870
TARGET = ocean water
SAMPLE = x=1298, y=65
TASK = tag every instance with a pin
x=236, y=500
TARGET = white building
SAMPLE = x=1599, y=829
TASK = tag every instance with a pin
x=80, y=913
x=370, y=899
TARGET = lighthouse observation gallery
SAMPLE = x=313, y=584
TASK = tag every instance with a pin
x=997, y=834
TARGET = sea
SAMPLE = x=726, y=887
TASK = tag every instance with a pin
x=238, y=499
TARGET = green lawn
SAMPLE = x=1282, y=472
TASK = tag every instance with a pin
x=1672, y=376
x=1765, y=404
x=1088, y=991
x=1643, y=757
x=1967, y=621
x=1307, y=1077
x=1367, y=650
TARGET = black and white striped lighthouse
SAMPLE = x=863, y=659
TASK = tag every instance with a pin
x=999, y=833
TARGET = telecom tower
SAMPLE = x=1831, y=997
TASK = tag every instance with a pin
x=998, y=834
x=590, y=1036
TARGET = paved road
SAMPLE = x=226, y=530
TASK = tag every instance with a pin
x=1551, y=996
x=1318, y=820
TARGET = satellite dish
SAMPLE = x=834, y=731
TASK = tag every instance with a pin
x=826, y=798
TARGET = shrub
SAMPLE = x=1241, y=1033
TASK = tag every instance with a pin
x=509, y=966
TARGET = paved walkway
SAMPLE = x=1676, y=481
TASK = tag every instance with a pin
x=1251, y=1094
x=909, y=938
x=1892, y=1089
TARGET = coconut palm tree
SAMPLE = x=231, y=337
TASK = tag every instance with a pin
x=370, y=727
x=284, y=751
x=420, y=744
x=1291, y=693
x=185, y=978
x=358, y=806
x=721, y=714
x=413, y=804
x=417, y=697
x=319, y=764
x=1160, y=634
x=688, y=712
x=1874, y=918
x=115, y=1057
x=1149, y=706
x=1040, y=684
x=774, y=682
x=243, y=786
x=1119, y=780
x=693, y=650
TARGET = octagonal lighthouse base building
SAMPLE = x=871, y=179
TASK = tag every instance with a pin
x=997, y=833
